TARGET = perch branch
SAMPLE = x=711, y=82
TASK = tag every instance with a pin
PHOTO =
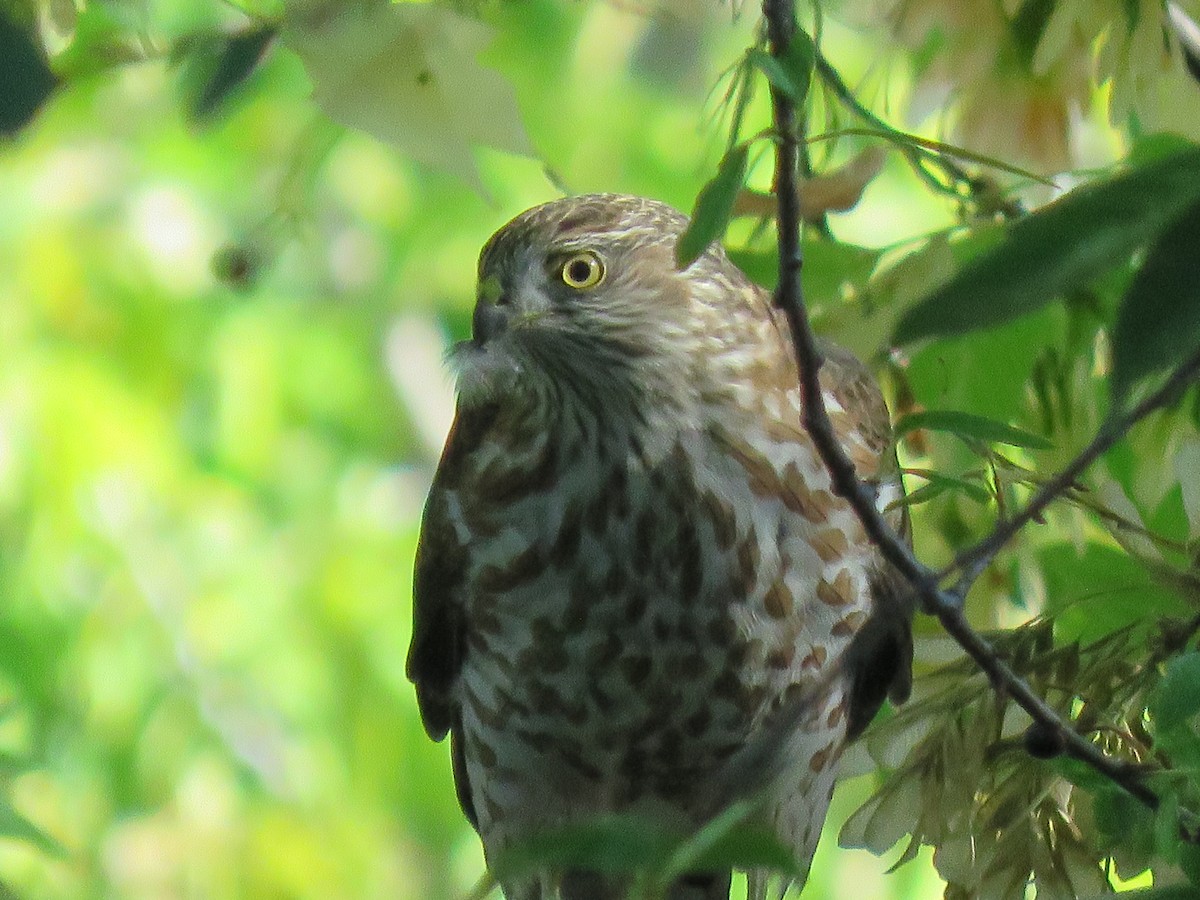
x=945, y=604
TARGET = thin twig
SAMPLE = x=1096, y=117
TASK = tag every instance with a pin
x=971, y=562
x=946, y=605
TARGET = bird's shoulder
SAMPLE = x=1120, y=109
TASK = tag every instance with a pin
x=437, y=649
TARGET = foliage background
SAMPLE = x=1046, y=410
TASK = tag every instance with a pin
x=221, y=391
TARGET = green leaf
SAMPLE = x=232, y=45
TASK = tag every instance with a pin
x=923, y=494
x=1124, y=822
x=904, y=139
x=616, y=844
x=969, y=425
x=1081, y=774
x=1028, y=26
x=1061, y=246
x=942, y=482
x=792, y=72
x=1166, y=827
x=223, y=64
x=1178, y=696
x=829, y=266
x=103, y=38
x=714, y=206
x=1158, y=324
x=728, y=842
x=1189, y=861
x=1094, y=593
x=25, y=77
x=16, y=826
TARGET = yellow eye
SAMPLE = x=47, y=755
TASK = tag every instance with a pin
x=582, y=270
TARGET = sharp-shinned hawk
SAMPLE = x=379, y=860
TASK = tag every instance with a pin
x=635, y=589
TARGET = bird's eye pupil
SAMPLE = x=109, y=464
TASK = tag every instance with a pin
x=580, y=270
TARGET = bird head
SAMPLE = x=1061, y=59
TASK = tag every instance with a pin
x=580, y=298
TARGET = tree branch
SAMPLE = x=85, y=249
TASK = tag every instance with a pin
x=781, y=24
x=971, y=562
x=946, y=605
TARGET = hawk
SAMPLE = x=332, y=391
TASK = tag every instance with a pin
x=635, y=590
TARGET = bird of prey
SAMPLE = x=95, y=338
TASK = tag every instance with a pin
x=636, y=591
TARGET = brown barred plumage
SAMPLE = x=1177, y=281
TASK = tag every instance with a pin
x=635, y=589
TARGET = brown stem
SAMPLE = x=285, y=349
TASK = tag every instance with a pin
x=946, y=605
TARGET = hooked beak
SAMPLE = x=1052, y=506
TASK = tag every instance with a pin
x=489, y=319
x=492, y=311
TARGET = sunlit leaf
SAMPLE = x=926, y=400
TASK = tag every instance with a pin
x=25, y=77
x=1058, y=248
x=1158, y=324
x=408, y=74
x=714, y=206
x=969, y=425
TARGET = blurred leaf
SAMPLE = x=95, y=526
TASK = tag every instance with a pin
x=615, y=844
x=1158, y=324
x=220, y=65
x=1028, y=26
x=943, y=482
x=1092, y=593
x=714, y=206
x=792, y=72
x=25, y=77
x=923, y=494
x=102, y=40
x=1124, y=823
x=1186, y=464
x=1189, y=861
x=1061, y=246
x=1178, y=696
x=1166, y=826
x=728, y=842
x=1150, y=147
x=1170, y=892
x=15, y=825
x=969, y=425
x=408, y=74
x=829, y=267
x=743, y=847
x=904, y=139
x=1081, y=774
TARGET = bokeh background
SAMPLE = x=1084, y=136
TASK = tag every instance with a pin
x=222, y=398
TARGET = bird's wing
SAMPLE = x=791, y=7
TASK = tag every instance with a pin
x=879, y=660
x=435, y=656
